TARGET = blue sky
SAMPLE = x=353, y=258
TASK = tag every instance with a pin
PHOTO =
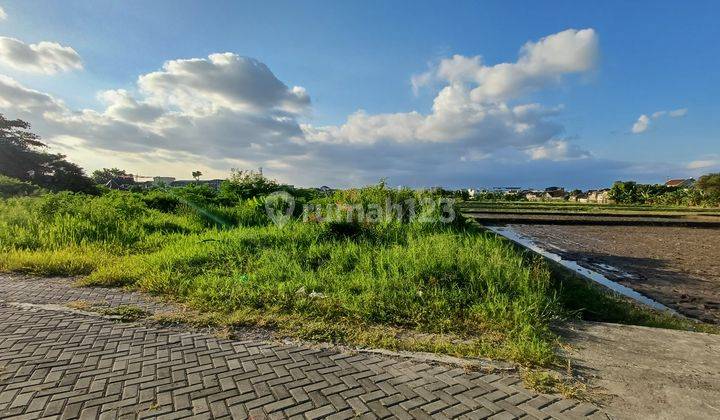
x=349, y=56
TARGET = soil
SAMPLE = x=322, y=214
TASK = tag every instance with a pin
x=649, y=373
x=677, y=266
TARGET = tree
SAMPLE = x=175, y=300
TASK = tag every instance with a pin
x=246, y=184
x=709, y=183
x=625, y=192
x=23, y=156
x=102, y=176
x=197, y=175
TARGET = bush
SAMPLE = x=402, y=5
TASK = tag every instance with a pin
x=710, y=184
x=11, y=187
x=244, y=185
x=162, y=200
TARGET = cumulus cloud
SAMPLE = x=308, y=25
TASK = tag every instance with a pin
x=43, y=57
x=566, y=52
x=643, y=122
x=16, y=97
x=473, y=104
x=220, y=81
x=226, y=111
x=641, y=125
x=3, y=15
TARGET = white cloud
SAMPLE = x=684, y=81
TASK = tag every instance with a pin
x=569, y=51
x=43, y=57
x=641, y=125
x=678, y=112
x=3, y=15
x=557, y=150
x=16, y=97
x=202, y=86
x=643, y=122
x=230, y=111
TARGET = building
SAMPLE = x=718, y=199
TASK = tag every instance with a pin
x=534, y=195
x=599, y=196
x=163, y=180
x=680, y=183
x=578, y=197
x=554, y=194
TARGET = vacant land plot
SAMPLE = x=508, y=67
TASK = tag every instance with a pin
x=677, y=266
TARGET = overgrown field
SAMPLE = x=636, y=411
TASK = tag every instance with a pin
x=411, y=283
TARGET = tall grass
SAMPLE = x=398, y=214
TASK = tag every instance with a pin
x=342, y=279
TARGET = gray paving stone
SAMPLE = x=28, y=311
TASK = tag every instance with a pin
x=69, y=365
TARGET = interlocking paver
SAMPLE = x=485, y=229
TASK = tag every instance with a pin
x=59, y=363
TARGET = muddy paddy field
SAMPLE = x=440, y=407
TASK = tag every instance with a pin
x=669, y=255
x=677, y=266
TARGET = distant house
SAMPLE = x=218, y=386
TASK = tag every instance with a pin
x=534, y=195
x=680, y=183
x=579, y=197
x=599, y=196
x=554, y=194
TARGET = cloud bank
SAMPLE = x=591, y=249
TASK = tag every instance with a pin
x=44, y=57
x=226, y=111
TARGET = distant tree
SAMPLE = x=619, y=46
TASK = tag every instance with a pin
x=102, y=176
x=625, y=192
x=709, y=183
x=23, y=156
x=197, y=175
x=246, y=184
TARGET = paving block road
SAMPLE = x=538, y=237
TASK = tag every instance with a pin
x=56, y=363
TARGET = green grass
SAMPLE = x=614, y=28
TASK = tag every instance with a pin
x=404, y=285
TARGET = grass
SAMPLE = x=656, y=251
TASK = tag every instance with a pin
x=396, y=284
x=553, y=382
x=402, y=285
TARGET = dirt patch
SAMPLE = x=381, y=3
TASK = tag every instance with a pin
x=677, y=266
x=649, y=372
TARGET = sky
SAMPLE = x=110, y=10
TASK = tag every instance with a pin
x=461, y=94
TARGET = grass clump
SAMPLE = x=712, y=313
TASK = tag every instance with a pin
x=552, y=382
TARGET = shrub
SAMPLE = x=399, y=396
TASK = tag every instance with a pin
x=11, y=187
x=162, y=200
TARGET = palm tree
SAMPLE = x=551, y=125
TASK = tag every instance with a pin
x=197, y=175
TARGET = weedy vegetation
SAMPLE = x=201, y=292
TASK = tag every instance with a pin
x=409, y=283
